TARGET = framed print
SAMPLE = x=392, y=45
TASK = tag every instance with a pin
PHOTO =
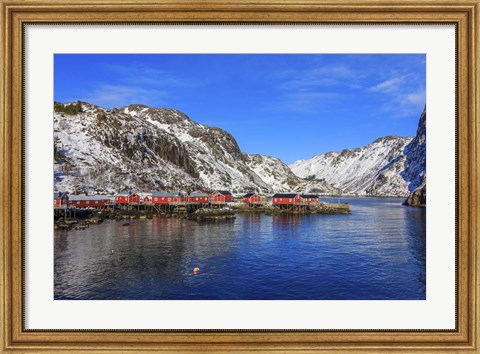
x=240, y=177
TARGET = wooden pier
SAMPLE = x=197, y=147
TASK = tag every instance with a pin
x=63, y=212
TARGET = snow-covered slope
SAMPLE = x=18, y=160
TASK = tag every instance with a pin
x=389, y=166
x=143, y=148
x=415, y=165
x=416, y=157
x=370, y=170
x=279, y=176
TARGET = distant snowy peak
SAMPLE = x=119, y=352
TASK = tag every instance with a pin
x=281, y=178
x=389, y=166
x=369, y=170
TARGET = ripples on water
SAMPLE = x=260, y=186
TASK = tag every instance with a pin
x=377, y=252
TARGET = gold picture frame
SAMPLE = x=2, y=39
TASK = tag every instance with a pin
x=464, y=14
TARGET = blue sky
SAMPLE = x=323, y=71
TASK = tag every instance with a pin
x=289, y=106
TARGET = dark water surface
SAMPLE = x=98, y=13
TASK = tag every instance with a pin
x=376, y=252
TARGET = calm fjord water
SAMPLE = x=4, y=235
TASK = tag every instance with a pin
x=377, y=252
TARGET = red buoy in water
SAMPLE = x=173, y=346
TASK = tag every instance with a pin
x=196, y=270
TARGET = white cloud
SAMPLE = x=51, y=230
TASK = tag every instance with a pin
x=403, y=95
x=325, y=76
x=310, y=102
x=136, y=83
x=405, y=104
x=120, y=95
x=317, y=89
x=415, y=98
x=140, y=74
x=389, y=86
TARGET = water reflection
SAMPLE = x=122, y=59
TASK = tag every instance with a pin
x=377, y=252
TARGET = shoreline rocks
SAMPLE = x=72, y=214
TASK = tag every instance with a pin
x=212, y=215
x=418, y=198
x=319, y=208
x=204, y=214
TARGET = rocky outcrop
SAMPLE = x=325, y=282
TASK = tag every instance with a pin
x=415, y=165
x=414, y=171
x=212, y=214
x=418, y=198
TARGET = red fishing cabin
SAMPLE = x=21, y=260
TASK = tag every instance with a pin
x=60, y=199
x=286, y=199
x=166, y=198
x=221, y=197
x=89, y=201
x=197, y=198
x=309, y=198
x=253, y=198
x=127, y=198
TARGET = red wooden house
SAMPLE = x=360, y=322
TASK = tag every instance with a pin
x=252, y=198
x=309, y=198
x=197, y=198
x=221, y=197
x=167, y=198
x=88, y=201
x=286, y=199
x=60, y=199
x=127, y=198
x=147, y=199
x=134, y=198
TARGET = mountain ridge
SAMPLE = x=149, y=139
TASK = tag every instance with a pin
x=144, y=148
x=388, y=166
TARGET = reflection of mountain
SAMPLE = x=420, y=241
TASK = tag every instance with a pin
x=389, y=166
x=157, y=148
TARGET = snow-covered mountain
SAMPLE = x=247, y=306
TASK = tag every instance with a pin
x=415, y=165
x=281, y=178
x=389, y=166
x=143, y=148
x=416, y=153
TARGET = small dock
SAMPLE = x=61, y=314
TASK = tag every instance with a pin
x=63, y=212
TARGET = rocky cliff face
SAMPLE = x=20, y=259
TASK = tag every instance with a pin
x=143, y=148
x=418, y=198
x=415, y=165
x=389, y=166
